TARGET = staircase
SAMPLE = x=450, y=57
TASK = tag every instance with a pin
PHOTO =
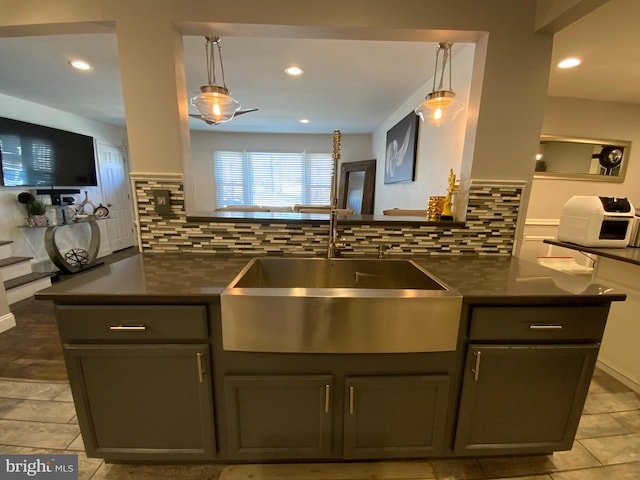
x=20, y=281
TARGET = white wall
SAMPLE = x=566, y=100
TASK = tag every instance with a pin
x=439, y=148
x=29, y=242
x=353, y=148
x=580, y=119
x=587, y=119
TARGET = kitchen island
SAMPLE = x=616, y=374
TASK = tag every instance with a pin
x=620, y=269
x=151, y=381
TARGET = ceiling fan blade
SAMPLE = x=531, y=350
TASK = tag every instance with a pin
x=200, y=117
x=245, y=110
x=209, y=122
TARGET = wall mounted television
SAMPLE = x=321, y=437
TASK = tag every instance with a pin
x=38, y=156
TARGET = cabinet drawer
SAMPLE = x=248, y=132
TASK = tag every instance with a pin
x=132, y=322
x=538, y=323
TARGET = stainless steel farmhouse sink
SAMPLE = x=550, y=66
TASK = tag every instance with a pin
x=340, y=305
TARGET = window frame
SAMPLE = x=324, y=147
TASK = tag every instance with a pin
x=313, y=165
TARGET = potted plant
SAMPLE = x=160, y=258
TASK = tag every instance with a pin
x=26, y=198
x=37, y=210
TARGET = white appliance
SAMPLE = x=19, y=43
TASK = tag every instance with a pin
x=634, y=241
x=593, y=221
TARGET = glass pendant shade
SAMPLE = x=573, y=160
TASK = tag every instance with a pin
x=214, y=104
x=439, y=108
x=440, y=105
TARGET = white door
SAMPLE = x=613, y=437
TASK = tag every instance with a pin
x=116, y=192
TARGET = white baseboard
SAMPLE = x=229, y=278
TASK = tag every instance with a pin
x=621, y=377
x=7, y=321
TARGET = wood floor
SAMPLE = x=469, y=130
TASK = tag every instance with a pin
x=31, y=350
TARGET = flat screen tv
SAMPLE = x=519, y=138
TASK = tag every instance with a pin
x=34, y=155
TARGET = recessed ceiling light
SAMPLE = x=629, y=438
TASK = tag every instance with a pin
x=293, y=70
x=304, y=120
x=569, y=62
x=80, y=64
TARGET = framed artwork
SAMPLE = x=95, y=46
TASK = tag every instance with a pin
x=402, y=143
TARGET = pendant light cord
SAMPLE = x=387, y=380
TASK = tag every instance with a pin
x=446, y=47
x=211, y=60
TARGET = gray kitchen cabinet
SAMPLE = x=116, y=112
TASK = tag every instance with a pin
x=279, y=416
x=526, y=377
x=274, y=417
x=141, y=380
x=395, y=416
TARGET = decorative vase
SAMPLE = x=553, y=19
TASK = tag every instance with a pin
x=434, y=208
x=87, y=207
x=40, y=220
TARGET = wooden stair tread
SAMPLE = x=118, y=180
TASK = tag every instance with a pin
x=24, y=279
x=5, y=262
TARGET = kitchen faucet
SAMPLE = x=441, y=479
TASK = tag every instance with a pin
x=333, y=248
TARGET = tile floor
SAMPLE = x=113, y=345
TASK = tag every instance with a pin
x=38, y=417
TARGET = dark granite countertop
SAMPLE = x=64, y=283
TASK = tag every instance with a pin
x=267, y=218
x=166, y=278
x=627, y=255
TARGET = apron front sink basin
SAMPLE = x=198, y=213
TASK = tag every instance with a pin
x=343, y=305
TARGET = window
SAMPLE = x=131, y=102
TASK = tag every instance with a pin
x=26, y=161
x=272, y=178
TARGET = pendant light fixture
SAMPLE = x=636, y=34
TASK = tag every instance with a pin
x=214, y=102
x=440, y=105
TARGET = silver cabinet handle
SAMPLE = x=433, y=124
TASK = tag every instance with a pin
x=351, y=389
x=535, y=326
x=476, y=370
x=129, y=328
x=201, y=370
x=327, y=396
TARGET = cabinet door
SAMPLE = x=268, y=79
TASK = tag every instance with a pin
x=143, y=402
x=279, y=416
x=522, y=398
x=395, y=416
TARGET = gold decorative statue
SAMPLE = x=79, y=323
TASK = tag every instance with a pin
x=446, y=211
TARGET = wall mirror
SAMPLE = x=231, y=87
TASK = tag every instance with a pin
x=357, y=184
x=582, y=159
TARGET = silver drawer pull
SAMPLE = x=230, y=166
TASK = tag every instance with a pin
x=476, y=370
x=351, y=393
x=128, y=328
x=327, y=397
x=201, y=370
x=544, y=327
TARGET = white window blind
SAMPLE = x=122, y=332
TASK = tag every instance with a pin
x=272, y=178
x=27, y=163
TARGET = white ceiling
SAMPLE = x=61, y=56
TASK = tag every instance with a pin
x=350, y=85
x=608, y=41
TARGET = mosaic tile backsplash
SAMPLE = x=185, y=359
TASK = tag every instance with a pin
x=489, y=229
